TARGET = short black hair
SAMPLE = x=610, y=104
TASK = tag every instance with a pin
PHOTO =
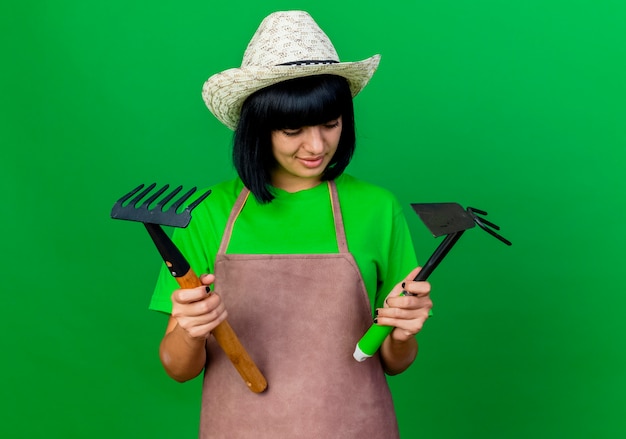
x=291, y=104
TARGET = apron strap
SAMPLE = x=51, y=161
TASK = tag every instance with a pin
x=234, y=213
x=340, y=232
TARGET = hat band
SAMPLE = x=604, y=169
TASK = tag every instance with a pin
x=308, y=62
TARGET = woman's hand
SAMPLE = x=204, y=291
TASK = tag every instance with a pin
x=198, y=311
x=406, y=313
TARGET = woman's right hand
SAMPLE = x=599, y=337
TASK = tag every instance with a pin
x=198, y=310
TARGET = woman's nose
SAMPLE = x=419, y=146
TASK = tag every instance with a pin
x=314, y=142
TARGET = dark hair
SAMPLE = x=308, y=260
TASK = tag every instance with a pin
x=291, y=104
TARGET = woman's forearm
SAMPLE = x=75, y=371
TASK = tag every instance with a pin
x=396, y=355
x=182, y=356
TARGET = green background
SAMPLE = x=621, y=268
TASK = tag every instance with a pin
x=515, y=107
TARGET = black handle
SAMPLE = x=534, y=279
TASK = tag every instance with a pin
x=440, y=253
x=173, y=258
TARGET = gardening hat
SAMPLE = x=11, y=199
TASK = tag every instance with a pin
x=286, y=45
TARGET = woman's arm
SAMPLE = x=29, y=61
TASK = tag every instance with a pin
x=195, y=313
x=397, y=356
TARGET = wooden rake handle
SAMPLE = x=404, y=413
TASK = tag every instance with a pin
x=223, y=333
x=230, y=344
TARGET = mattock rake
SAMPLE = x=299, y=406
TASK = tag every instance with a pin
x=452, y=220
x=448, y=219
x=161, y=215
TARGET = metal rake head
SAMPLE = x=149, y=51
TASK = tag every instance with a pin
x=449, y=218
x=443, y=218
x=147, y=212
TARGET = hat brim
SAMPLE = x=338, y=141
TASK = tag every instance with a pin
x=225, y=92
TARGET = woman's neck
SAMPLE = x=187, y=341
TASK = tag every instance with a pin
x=292, y=183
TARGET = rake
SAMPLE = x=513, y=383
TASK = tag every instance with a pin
x=166, y=213
x=449, y=219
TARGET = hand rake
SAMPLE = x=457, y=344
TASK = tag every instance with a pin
x=165, y=213
x=448, y=219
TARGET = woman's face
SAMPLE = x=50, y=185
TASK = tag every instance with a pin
x=303, y=154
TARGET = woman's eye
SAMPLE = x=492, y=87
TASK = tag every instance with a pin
x=291, y=132
x=333, y=124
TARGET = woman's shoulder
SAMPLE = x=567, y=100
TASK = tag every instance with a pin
x=353, y=187
x=221, y=199
x=223, y=193
x=226, y=190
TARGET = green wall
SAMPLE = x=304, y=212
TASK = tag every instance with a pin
x=515, y=107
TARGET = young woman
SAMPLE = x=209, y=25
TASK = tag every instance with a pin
x=301, y=255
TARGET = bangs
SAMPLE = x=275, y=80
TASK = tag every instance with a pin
x=307, y=101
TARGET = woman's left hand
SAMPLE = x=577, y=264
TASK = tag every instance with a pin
x=406, y=312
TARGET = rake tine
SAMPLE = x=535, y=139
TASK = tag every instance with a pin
x=199, y=200
x=143, y=193
x=130, y=194
x=182, y=199
x=492, y=233
x=478, y=211
x=485, y=224
x=168, y=197
x=156, y=195
x=488, y=223
x=476, y=218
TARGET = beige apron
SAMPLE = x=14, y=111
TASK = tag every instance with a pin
x=299, y=317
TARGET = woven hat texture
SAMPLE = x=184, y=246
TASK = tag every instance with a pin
x=286, y=45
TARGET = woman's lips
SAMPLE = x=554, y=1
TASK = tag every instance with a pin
x=312, y=162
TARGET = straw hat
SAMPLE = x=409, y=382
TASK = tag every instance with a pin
x=286, y=45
